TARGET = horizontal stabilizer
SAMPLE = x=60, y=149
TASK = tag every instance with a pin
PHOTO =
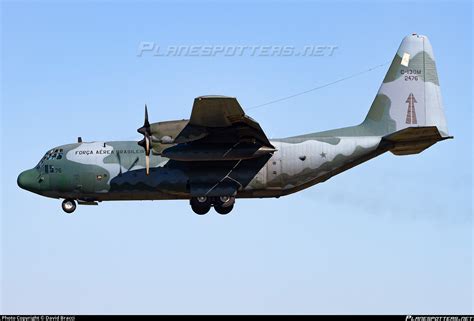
x=413, y=140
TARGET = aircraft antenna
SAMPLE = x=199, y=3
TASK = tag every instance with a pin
x=320, y=86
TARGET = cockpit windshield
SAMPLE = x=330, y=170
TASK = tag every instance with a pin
x=52, y=154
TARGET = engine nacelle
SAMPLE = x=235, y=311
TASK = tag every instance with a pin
x=164, y=133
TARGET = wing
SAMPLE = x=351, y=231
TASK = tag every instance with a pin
x=221, y=149
x=220, y=119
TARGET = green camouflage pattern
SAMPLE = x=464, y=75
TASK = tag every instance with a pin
x=406, y=117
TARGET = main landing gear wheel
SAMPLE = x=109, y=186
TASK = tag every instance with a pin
x=68, y=206
x=223, y=210
x=200, y=205
x=224, y=204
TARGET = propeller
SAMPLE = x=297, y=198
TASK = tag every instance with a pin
x=119, y=162
x=133, y=164
x=145, y=142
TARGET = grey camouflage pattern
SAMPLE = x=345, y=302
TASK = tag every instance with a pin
x=99, y=171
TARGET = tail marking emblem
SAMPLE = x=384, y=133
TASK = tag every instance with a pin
x=411, y=114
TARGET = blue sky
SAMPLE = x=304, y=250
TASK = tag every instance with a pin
x=393, y=235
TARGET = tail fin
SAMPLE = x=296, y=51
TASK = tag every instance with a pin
x=410, y=95
x=408, y=110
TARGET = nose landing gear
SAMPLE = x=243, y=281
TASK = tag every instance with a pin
x=222, y=205
x=69, y=206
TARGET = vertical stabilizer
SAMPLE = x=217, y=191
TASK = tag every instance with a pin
x=410, y=95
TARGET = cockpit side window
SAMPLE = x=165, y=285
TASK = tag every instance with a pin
x=41, y=162
x=52, y=154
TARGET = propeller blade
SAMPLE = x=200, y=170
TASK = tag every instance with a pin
x=119, y=162
x=147, y=146
x=147, y=158
x=145, y=130
x=147, y=154
x=133, y=164
x=146, y=124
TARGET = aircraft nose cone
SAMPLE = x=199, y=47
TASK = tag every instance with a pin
x=27, y=180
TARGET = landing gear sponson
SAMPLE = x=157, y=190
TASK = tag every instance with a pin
x=222, y=205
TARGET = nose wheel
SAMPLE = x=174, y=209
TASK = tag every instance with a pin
x=68, y=206
x=222, y=205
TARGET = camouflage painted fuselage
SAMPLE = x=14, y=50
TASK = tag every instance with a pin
x=405, y=118
x=116, y=170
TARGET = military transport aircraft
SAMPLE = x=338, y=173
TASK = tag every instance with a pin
x=221, y=154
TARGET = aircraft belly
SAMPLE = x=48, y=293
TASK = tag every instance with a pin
x=161, y=179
